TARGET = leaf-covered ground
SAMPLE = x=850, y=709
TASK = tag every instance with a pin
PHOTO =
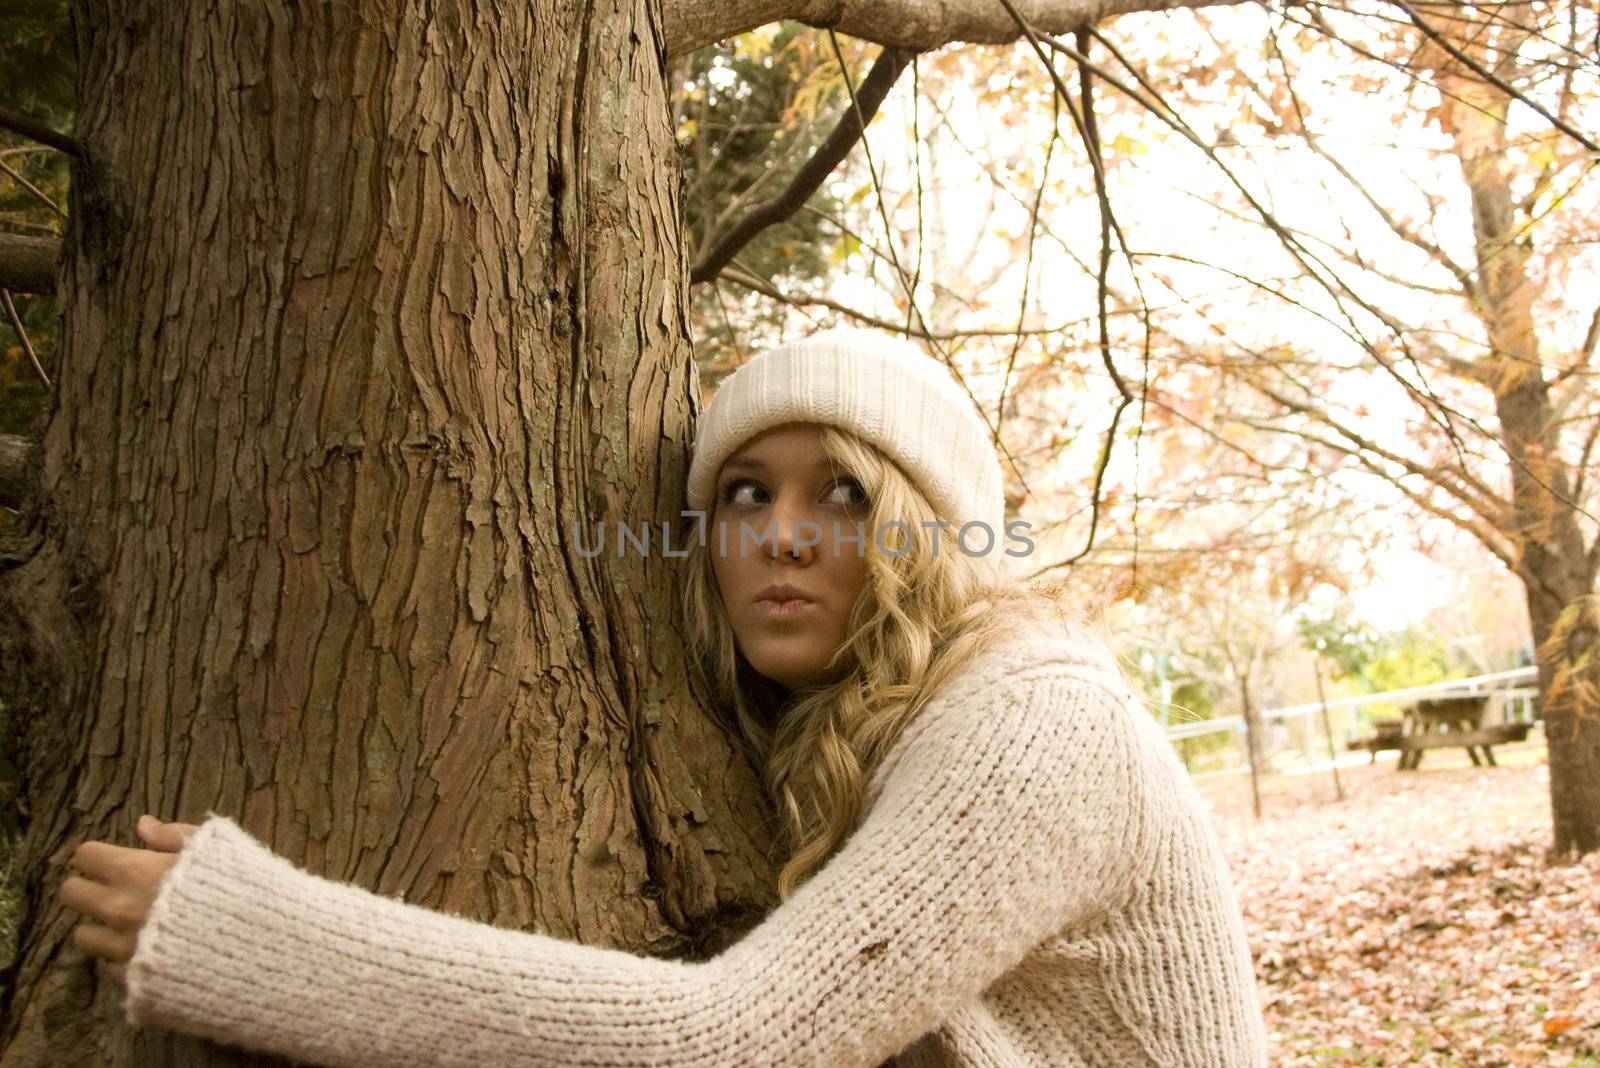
x=1417, y=922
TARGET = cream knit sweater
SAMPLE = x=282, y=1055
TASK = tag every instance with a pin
x=1034, y=882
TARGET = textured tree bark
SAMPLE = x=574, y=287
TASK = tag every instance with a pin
x=914, y=25
x=365, y=307
x=28, y=264
x=16, y=470
x=1554, y=566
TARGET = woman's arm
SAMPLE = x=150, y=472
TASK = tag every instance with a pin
x=1007, y=815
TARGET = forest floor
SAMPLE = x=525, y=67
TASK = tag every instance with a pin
x=1416, y=921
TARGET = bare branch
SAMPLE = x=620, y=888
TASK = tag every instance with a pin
x=1320, y=24
x=1585, y=352
x=1216, y=438
x=38, y=131
x=18, y=177
x=869, y=246
x=1463, y=277
x=915, y=25
x=723, y=248
x=914, y=313
x=900, y=273
x=1088, y=131
x=1489, y=76
x=1433, y=408
x=22, y=336
x=1584, y=453
x=1460, y=484
x=1401, y=230
x=1484, y=531
x=1027, y=265
x=706, y=148
x=28, y=264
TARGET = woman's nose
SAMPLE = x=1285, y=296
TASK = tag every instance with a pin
x=795, y=532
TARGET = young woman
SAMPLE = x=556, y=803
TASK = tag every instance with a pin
x=993, y=856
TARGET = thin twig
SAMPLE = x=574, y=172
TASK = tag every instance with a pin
x=916, y=168
x=1432, y=406
x=22, y=336
x=1027, y=266
x=17, y=176
x=1088, y=132
x=872, y=172
x=900, y=274
x=1492, y=78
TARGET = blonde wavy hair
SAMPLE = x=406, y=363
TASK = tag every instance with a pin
x=920, y=617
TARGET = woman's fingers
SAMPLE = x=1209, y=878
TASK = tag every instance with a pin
x=114, y=888
x=103, y=942
x=104, y=861
x=115, y=885
x=166, y=837
x=104, y=904
x=121, y=865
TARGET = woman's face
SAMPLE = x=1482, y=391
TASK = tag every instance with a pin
x=779, y=506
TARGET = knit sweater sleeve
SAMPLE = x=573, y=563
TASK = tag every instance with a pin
x=1005, y=815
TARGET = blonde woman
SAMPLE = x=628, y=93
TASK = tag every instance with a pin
x=992, y=855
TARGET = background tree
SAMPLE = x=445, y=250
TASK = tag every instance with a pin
x=1451, y=296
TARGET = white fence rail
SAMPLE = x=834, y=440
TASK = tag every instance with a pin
x=1512, y=685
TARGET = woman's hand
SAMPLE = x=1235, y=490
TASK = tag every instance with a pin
x=115, y=889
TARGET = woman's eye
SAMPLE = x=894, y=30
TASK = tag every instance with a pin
x=730, y=492
x=854, y=495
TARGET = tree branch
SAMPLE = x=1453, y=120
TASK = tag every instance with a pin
x=28, y=264
x=39, y=194
x=1580, y=482
x=1585, y=353
x=1460, y=483
x=914, y=25
x=725, y=246
x=1488, y=75
x=38, y=131
x=1433, y=408
x=22, y=336
x=1491, y=537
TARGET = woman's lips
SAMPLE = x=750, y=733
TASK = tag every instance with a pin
x=792, y=608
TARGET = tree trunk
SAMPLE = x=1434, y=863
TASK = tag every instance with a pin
x=1252, y=742
x=364, y=308
x=1553, y=564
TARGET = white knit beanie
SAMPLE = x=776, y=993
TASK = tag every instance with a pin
x=881, y=388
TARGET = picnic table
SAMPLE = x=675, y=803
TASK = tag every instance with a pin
x=1441, y=722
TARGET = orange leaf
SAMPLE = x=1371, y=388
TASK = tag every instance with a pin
x=1560, y=1024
